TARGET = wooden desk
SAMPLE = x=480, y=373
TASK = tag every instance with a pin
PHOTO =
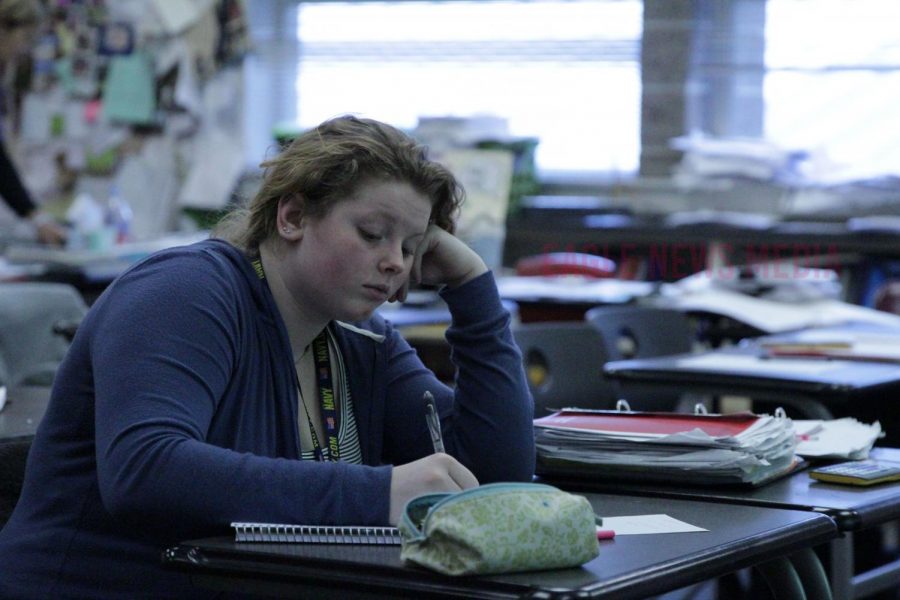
x=852, y=508
x=25, y=407
x=634, y=566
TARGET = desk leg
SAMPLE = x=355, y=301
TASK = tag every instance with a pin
x=876, y=580
x=842, y=567
x=883, y=577
x=812, y=574
x=847, y=586
x=782, y=579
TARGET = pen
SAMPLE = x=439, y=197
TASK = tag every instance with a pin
x=434, y=423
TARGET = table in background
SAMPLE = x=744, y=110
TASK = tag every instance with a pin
x=811, y=386
x=629, y=566
x=90, y=271
x=568, y=298
x=853, y=509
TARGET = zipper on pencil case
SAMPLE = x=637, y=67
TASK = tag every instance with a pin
x=454, y=497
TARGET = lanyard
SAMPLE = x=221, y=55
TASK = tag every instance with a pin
x=327, y=402
x=325, y=385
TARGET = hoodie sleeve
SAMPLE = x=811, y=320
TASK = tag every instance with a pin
x=487, y=418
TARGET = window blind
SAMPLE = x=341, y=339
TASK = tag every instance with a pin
x=566, y=72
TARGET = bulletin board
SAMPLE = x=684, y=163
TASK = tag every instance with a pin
x=143, y=97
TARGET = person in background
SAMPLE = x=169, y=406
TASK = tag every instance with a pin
x=248, y=378
x=19, y=20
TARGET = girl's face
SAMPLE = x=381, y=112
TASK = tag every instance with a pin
x=359, y=254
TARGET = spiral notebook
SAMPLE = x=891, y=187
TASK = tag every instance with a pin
x=315, y=534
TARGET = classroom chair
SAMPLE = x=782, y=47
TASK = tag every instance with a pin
x=564, y=364
x=631, y=332
x=13, y=454
x=36, y=322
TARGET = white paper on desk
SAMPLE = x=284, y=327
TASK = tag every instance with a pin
x=744, y=363
x=572, y=288
x=772, y=316
x=640, y=524
x=837, y=438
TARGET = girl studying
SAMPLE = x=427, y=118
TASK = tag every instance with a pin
x=246, y=378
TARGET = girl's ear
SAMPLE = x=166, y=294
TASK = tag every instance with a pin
x=290, y=219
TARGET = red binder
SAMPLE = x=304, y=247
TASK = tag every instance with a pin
x=649, y=422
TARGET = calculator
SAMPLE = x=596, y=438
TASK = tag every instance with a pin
x=864, y=472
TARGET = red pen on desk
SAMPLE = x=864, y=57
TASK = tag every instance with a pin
x=605, y=534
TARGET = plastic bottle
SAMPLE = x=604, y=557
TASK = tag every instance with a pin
x=119, y=215
x=86, y=216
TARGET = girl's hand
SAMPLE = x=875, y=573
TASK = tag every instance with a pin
x=442, y=259
x=434, y=473
x=47, y=229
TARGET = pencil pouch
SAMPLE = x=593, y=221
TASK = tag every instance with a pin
x=499, y=528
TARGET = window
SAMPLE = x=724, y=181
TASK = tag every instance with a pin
x=832, y=81
x=566, y=72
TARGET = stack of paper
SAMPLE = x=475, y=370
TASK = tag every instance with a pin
x=701, y=449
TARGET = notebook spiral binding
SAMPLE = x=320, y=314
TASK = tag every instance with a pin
x=314, y=534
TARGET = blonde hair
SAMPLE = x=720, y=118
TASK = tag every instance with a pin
x=20, y=13
x=327, y=164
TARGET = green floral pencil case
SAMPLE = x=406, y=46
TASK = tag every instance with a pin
x=499, y=528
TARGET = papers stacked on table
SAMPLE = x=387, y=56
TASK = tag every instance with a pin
x=699, y=449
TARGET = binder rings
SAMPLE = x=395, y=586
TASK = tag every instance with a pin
x=315, y=534
x=649, y=424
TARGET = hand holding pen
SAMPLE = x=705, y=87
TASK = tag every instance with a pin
x=434, y=423
x=437, y=472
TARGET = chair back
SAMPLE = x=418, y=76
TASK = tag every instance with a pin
x=641, y=331
x=631, y=332
x=13, y=455
x=32, y=318
x=564, y=364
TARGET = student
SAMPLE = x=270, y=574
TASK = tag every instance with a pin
x=19, y=20
x=189, y=400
